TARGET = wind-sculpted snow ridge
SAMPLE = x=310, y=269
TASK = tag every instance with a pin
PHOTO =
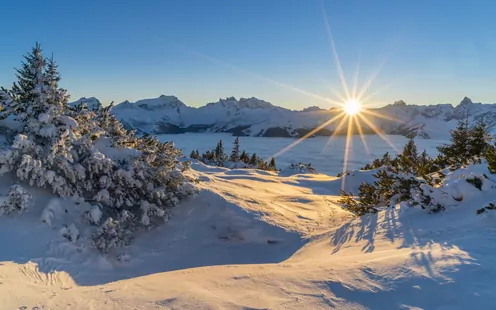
x=255, y=240
x=255, y=117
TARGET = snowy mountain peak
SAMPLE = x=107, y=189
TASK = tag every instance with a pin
x=399, y=103
x=465, y=101
x=91, y=103
x=312, y=109
x=153, y=104
x=243, y=103
x=256, y=117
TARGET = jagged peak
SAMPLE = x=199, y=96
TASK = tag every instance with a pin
x=91, y=102
x=161, y=102
x=465, y=101
x=242, y=103
x=312, y=108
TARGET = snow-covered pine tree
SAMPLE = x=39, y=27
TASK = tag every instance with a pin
x=479, y=140
x=195, y=154
x=120, y=137
x=28, y=76
x=41, y=152
x=244, y=157
x=220, y=156
x=407, y=160
x=5, y=102
x=97, y=159
x=235, y=151
x=272, y=164
x=426, y=165
x=369, y=199
x=458, y=152
x=491, y=158
x=254, y=159
x=384, y=184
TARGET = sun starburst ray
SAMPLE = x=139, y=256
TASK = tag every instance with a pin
x=327, y=123
x=372, y=95
x=339, y=96
x=347, y=151
x=355, y=80
x=386, y=117
x=335, y=53
x=365, y=87
x=334, y=134
x=262, y=77
x=360, y=133
x=378, y=132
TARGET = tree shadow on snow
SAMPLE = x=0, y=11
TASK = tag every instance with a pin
x=366, y=227
x=462, y=284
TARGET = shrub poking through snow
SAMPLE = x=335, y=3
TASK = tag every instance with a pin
x=416, y=179
x=475, y=181
x=405, y=178
x=18, y=200
x=86, y=153
x=300, y=168
x=358, y=208
x=490, y=206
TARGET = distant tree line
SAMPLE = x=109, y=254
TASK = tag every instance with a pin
x=237, y=159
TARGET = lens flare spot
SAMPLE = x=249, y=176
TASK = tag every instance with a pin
x=352, y=107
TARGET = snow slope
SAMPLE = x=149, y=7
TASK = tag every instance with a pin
x=255, y=117
x=256, y=240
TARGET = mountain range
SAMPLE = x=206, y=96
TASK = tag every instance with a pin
x=256, y=117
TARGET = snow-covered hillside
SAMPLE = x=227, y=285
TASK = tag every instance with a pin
x=255, y=117
x=256, y=240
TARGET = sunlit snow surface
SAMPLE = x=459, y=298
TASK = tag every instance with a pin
x=254, y=240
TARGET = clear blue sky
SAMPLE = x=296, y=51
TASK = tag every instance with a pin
x=433, y=51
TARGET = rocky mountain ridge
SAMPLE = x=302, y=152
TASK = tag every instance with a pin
x=256, y=117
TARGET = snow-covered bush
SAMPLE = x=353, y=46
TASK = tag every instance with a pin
x=418, y=180
x=87, y=153
x=356, y=207
x=468, y=144
x=111, y=235
x=18, y=200
x=404, y=178
x=51, y=211
x=70, y=232
x=94, y=215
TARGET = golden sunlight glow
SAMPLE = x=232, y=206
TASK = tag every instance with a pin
x=352, y=107
x=354, y=103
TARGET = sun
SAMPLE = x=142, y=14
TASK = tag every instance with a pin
x=352, y=107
